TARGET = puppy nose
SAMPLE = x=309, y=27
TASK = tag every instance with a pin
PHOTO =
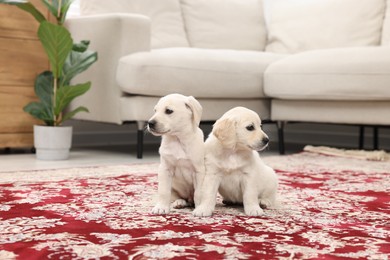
x=151, y=124
x=265, y=140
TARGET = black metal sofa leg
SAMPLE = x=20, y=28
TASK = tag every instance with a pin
x=375, y=138
x=361, y=137
x=140, y=139
x=280, y=126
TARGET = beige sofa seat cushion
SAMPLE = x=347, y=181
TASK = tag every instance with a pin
x=140, y=108
x=360, y=73
x=199, y=72
x=225, y=24
x=301, y=25
x=167, y=26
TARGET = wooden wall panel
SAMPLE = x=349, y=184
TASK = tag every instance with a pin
x=16, y=23
x=22, y=58
x=12, y=97
x=18, y=122
x=21, y=61
x=12, y=117
x=19, y=140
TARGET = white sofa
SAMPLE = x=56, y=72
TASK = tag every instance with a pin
x=289, y=60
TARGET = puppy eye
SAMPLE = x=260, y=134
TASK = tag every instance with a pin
x=168, y=111
x=250, y=127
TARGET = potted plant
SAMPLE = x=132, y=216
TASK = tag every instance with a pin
x=53, y=88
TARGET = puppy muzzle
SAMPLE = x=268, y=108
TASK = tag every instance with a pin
x=261, y=145
x=153, y=128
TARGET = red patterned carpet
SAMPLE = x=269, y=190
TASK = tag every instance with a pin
x=331, y=208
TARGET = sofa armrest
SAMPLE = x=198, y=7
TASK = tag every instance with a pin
x=112, y=36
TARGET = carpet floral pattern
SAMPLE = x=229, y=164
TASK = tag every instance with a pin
x=330, y=208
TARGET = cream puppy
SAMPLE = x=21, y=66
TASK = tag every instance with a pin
x=233, y=165
x=177, y=119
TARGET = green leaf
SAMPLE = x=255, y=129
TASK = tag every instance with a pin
x=72, y=113
x=66, y=94
x=58, y=12
x=76, y=63
x=51, y=6
x=64, y=10
x=26, y=6
x=43, y=110
x=40, y=111
x=81, y=46
x=44, y=88
x=57, y=43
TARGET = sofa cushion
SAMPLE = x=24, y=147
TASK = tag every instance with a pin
x=301, y=25
x=386, y=26
x=191, y=71
x=166, y=20
x=359, y=73
x=225, y=24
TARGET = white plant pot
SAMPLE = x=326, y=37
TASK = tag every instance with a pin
x=52, y=142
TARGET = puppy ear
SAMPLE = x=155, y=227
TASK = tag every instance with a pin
x=196, y=109
x=225, y=131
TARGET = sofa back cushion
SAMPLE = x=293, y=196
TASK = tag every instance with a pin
x=166, y=20
x=225, y=24
x=300, y=25
x=386, y=26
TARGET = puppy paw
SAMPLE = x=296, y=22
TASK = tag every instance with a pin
x=202, y=212
x=160, y=210
x=254, y=211
x=180, y=203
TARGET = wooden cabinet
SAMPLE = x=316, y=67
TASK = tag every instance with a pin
x=22, y=58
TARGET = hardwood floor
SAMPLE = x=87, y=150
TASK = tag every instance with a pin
x=79, y=157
